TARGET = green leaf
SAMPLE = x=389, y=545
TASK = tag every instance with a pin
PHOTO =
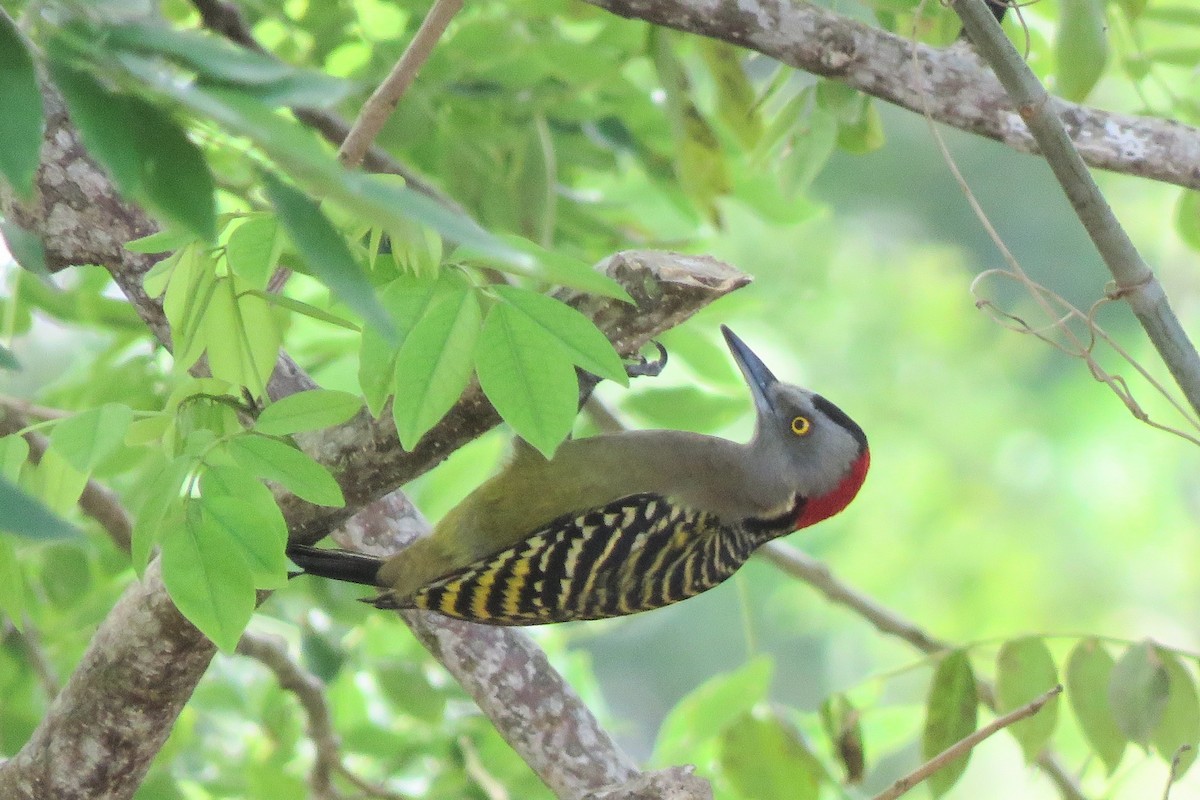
x=241, y=337
x=434, y=363
x=25, y=246
x=253, y=249
x=207, y=578
x=240, y=484
x=259, y=534
x=950, y=716
x=287, y=466
x=1180, y=723
x=1175, y=56
x=1025, y=670
x=1187, y=218
x=57, y=483
x=161, y=509
x=529, y=381
x=710, y=708
x=25, y=516
x=174, y=177
x=8, y=360
x=12, y=582
x=767, y=759
x=1137, y=692
x=812, y=147
x=736, y=102
x=1080, y=48
x=1089, y=672
x=22, y=121
x=406, y=300
x=407, y=685
x=570, y=331
x=324, y=251
x=307, y=411
x=863, y=135
x=299, y=307
x=189, y=291
x=207, y=55
x=164, y=241
x=86, y=439
x=547, y=266
x=14, y=451
x=297, y=151
x=843, y=725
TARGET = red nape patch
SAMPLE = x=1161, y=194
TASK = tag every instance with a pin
x=825, y=506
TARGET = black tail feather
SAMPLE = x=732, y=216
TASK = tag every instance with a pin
x=340, y=565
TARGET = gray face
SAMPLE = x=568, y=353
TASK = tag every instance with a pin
x=801, y=445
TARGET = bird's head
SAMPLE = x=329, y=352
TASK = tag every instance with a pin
x=802, y=440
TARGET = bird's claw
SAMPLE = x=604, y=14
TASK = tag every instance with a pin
x=645, y=368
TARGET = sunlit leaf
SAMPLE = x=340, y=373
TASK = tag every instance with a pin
x=14, y=450
x=434, y=364
x=241, y=337
x=160, y=242
x=192, y=283
x=1187, y=218
x=254, y=531
x=1137, y=692
x=529, y=381
x=253, y=249
x=950, y=716
x=307, y=411
x=287, y=466
x=57, y=483
x=568, y=330
x=1025, y=670
x=208, y=578
x=161, y=509
x=406, y=300
x=87, y=438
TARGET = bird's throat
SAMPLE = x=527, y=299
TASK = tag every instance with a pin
x=815, y=509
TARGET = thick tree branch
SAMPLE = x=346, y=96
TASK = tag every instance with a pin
x=958, y=89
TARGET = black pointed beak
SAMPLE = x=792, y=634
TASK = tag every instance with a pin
x=755, y=371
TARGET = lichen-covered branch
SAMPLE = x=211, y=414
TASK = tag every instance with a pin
x=952, y=82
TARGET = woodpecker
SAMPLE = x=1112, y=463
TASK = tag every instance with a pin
x=626, y=522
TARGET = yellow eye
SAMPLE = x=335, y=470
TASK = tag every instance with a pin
x=800, y=425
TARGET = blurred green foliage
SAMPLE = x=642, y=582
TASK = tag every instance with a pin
x=1014, y=507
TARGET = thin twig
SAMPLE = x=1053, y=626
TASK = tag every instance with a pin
x=1174, y=774
x=816, y=574
x=1135, y=281
x=383, y=100
x=30, y=640
x=227, y=20
x=964, y=746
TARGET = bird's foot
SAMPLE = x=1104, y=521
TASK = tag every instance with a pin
x=644, y=367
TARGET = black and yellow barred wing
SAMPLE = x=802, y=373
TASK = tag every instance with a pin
x=635, y=554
